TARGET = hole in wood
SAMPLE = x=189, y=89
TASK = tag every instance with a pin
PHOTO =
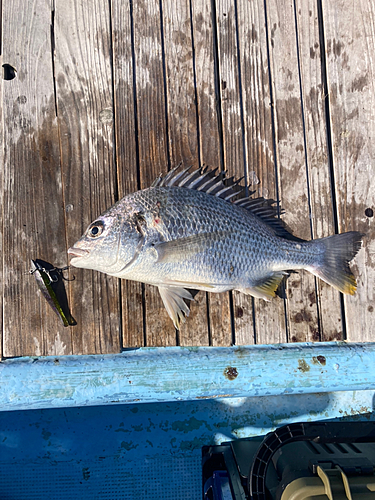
x=369, y=212
x=9, y=72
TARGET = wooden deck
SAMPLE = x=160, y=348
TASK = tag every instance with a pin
x=107, y=95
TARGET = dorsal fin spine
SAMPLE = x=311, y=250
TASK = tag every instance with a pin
x=230, y=196
x=225, y=189
x=178, y=178
x=212, y=183
x=196, y=182
x=206, y=184
x=188, y=178
x=169, y=175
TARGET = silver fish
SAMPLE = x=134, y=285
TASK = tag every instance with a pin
x=192, y=230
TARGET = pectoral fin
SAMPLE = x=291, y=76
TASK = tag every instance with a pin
x=183, y=248
x=173, y=300
x=266, y=289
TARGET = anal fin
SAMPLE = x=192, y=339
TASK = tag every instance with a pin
x=173, y=300
x=265, y=289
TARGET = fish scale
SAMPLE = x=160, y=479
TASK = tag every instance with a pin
x=192, y=231
x=213, y=216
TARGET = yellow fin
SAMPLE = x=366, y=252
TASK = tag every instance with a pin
x=266, y=289
x=333, y=267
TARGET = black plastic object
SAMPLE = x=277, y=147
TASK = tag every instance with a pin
x=50, y=280
x=218, y=486
x=260, y=469
x=327, y=432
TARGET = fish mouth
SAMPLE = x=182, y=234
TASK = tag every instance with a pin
x=77, y=252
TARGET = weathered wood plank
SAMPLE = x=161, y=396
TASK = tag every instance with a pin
x=126, y=155
x=1, y=208
x=322, y=220
x=172, y=102
x=233, y=132
x=302, y=315
x=260, y=168
x=231, y=116
x=220, y=320
x=209, y=137
x=349, y=43
x=183, y=128
x=33, y=208
x=152, y=138
x=210, y=145
x=179, y=67
x=84, y=107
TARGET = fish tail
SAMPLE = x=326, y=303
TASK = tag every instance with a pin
x=333, y=266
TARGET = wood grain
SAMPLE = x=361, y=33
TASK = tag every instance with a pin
x=85, y=107
x=108, y=95
x=1, y=209
x=126, y=155
x=231, y=112
x=349, y=44
x=301, y=311
x=152, y=138
x=204, y=52
x=210, y=139
x=183, y=128
x=318, y=166
x=259, y=154
x=33, y=208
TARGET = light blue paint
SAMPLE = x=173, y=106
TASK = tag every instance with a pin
x=181, y=400
x=182, y=374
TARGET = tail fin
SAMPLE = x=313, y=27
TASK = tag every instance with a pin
x=333, y=267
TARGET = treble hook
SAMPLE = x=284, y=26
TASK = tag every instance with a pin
x=54, y=279
x=60, y=271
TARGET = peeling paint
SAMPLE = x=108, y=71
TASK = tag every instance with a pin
x=176, y=373
x=319, y=360
x=188, y=425
x=128, y=446
x=303, y=366
x=230, y=372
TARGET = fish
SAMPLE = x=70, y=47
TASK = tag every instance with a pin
x=49, y=281
x=197, y=230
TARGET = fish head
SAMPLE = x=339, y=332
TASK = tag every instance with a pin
x=109, y=243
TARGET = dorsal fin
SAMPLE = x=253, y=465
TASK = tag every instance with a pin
x=202, y=179
x=229, y=189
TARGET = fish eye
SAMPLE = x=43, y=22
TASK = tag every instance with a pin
x=95, y=229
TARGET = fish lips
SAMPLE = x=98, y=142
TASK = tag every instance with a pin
x=77, y=253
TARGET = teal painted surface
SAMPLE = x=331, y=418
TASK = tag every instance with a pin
x=182, y=374
x=148, y=450
x=181, y=399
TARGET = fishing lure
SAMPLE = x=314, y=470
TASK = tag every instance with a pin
x=50, y=281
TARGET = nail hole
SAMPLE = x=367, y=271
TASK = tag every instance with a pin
x=369, y=212
x=9, y=72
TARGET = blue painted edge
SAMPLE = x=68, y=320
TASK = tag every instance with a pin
x=165, y=374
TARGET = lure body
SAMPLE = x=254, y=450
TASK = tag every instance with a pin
x=50, y=283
